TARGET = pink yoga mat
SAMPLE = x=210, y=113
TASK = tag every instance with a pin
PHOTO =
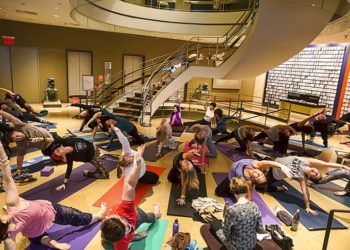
x=114, y=195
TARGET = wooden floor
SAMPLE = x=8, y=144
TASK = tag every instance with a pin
x=303, y=239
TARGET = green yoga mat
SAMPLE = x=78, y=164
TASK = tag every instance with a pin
x=154, y=239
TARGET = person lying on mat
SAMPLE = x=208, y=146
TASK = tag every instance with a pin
x=302, y=169
x=165, y=138
x=175, y=117
x=205, y=134
x=244, y=135
x=184, y=172
x=253, y=172
x=19, y=100
x=242, y=221
x=127, y=161
x=304, y=127
x=26, y=136
x=72, y=149
x=107, y=119
x=220, y=120
x=279, y=135
x=33, y=218
x=13, y=110
x=119, y=226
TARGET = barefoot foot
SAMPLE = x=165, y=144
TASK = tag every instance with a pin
x=156, y=211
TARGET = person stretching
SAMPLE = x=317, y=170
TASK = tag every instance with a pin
x=220, y=121
x=19, y=100
x=242, y=221
x=252, y=172
x=209, y=115
x=72, y=149
x=26, y=136
x=184, y=172
x=127, y=161
x=244, y=135
x=205, y=133
x=337, y=175
x=175, y=118
x=33, y=218
x=119, y=226
x=165, y=137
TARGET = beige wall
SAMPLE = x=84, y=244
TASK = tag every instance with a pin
x=53, y=42
x=247, y=88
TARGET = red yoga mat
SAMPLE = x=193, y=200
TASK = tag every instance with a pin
x=114, y=195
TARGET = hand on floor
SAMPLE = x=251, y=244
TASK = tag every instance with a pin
x=61, y=187
x=311, y=211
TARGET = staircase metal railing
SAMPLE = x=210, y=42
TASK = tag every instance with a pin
x=208, y=51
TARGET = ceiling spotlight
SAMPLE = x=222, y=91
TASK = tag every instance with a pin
x=56, y=8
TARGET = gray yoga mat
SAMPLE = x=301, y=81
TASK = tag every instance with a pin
x=151, y=151
x=328, y=190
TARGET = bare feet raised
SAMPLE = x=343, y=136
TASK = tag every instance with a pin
x=60, y=246
x=156, y=210
x=341, y=193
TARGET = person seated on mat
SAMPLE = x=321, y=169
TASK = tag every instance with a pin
x=253, y=172
x=107, y=119
x=244, y=135
x=209, y=115
x=242, y=221
x=301, y=169
x=26, y=136
x=279, y=135
x=184, y=172
x=127, y=161
x=33, y=218
x=119, y=226
x=19, y=100
x=72, y=149
x=12, y=109
x=165, y=137
x=204, y=133
x=337, y=175
x=175, y=117
x=219, y=121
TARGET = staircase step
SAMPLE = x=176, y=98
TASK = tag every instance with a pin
x=133, y=99
x=138, y=94
x=130, y=104
x=126, y=109
x=127, y=116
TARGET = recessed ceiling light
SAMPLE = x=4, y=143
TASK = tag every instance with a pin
x=26, y=12
x=56, y=8
x=0, y=8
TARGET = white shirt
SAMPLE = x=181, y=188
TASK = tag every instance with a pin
x=209, y=114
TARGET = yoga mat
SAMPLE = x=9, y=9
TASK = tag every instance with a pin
x=152, y=149
x=155, y=237
x=45, y=126
x=185, y=210
x=46, y=191
x=177, y=130
x=28, y=150
x=34, y=165
x=328, y=190
x=292, y=200
x=98, y=137
x=114, y=195
x=229, y=150
x=77, y=237
x=117, y=145
x=267, y=216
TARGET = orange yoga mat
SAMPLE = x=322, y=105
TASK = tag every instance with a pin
x=114, y=195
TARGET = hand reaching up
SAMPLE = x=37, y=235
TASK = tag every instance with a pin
x=140, y=151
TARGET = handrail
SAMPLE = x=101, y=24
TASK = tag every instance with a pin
x=329, y=225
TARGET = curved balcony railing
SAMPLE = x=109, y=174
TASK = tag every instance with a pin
x=196, y=52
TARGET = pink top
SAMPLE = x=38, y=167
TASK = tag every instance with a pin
x=34, y=220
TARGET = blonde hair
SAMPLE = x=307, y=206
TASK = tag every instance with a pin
x=238, y=185
x=189, y=178
x=161, y=135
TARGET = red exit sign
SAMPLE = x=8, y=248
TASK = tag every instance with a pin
x=8, y=40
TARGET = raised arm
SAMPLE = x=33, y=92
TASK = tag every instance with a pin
x=12, y=198
x=8, y=91
x=131, y=181
x=123, y=140
x=306, y=195
x=195, y=126
x=93, y=118
x=303, y=122
x=10, y=117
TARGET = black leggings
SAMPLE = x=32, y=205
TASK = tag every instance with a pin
x=174, y=175
x=202, y=122
x=280, y=146
x=149, y=178
x=135, y=134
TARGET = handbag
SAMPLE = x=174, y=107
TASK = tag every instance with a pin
x=180, y=241
x=278, y=236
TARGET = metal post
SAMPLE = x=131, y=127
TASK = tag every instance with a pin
x=229, y=108
x=328, y=230
x=289, y=110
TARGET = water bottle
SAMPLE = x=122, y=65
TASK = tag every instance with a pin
x=175, y=227
x=295, y=221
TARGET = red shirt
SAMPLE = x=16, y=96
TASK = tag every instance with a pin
x=127, y=210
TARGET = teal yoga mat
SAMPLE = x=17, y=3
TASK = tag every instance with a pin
x=155, y=237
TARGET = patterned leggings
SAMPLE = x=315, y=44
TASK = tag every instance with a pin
x=101, y=170
x=336, y=175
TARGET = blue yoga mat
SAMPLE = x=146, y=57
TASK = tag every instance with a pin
x=34, y=165
x=98, y=137
x=28, y=150
x=328, y=190
x=292, y=200
x=46, y=126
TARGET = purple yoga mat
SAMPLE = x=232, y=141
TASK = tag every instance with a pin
x=77, y=181
x=267, y=216
x=228, y=149
x=77, y=237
